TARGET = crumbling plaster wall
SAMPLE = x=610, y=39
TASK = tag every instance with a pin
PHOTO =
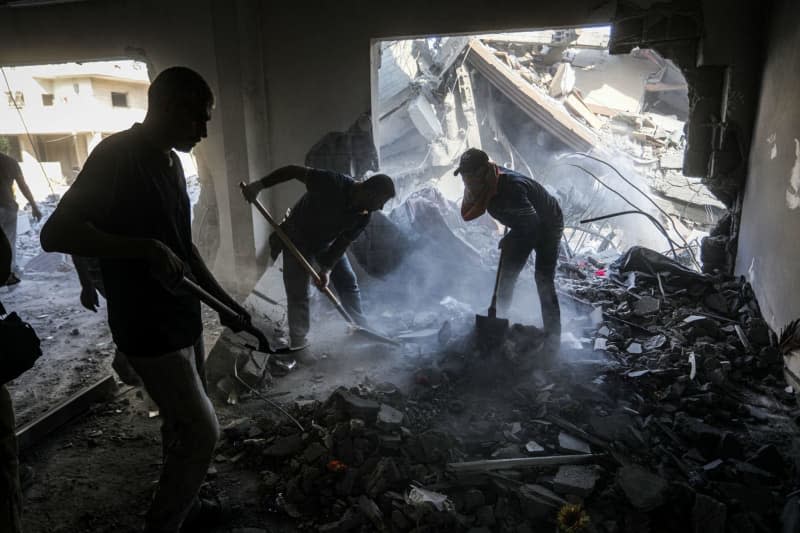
x=769, y=247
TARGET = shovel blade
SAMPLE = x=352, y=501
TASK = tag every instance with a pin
x=491, y=330
x=372, y=335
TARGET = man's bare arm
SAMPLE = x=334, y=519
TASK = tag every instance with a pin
x=281, y=175
x=26, y=192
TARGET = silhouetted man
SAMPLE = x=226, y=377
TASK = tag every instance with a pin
x=322, y=224
x=535, y=223
x=129, y=207
x=10, y=172
x=10, y=491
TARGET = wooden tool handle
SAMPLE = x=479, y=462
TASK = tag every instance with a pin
x=297, y=254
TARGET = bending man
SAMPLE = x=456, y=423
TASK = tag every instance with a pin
x=535, y=223
x=322, y=224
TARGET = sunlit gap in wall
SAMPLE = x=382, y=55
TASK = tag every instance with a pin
x=53, y=116
x=535, y=101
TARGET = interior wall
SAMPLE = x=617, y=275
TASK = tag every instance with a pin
x=769, y=248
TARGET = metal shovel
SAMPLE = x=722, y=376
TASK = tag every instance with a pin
x=314, y=275
x=492, y=330
x=218, y=306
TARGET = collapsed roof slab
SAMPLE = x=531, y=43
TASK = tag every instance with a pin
x=545, y=111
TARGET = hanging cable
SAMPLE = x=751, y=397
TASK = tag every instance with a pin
x=28, y=133
x=647, y=197
x=635, y=207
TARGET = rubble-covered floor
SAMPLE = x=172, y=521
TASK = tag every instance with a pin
x=687, y=429
x=76, y=343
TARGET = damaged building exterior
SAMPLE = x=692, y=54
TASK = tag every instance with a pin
x=521, y=98
x=673, y=407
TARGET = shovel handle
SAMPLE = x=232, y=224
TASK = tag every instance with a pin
x=493, y=307
x=207, y=298
x=217, y=305
x=297, y=254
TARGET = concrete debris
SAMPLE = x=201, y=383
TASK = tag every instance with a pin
x=568, y=443
x=418, y=496
x=646, y=305
x=645, y=491
x=470, y=444
x=575, y=480
x=575, y=99
x=389, y=418
x=534, y=447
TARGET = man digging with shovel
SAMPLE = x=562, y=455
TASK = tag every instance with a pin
x=535, y=223
x=321, y=225
x=129, y=207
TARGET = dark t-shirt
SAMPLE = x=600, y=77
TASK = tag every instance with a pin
x=130, y=188
x=9, y=171
x=323, y=221
x=525, y=206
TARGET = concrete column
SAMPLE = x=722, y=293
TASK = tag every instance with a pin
x=236, y=256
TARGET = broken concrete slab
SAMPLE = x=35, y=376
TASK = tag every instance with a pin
x=568, y=443
x=634, y=348
x=644, y=490
x=389, y=418
x=355, y=406
x=534, y=447
x=646, y=305
x=575, y=480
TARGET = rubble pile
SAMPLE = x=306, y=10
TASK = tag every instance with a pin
x=665, y=412
x=530, y=99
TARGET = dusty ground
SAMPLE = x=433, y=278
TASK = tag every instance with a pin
x=83, y=466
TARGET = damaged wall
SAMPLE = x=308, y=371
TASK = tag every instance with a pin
x=209, y=36
x=769, y=248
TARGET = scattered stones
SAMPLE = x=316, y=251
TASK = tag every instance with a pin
x=372, y=459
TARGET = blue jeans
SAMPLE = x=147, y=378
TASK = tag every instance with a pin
x=296, y=281
x=515, y=255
